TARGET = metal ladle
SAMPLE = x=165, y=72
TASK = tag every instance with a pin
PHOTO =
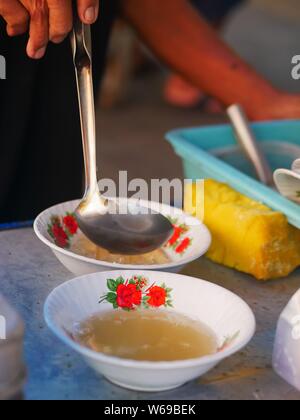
x=131, y=230
x=250, y=145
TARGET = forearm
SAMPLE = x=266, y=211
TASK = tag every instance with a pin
x=183, y=40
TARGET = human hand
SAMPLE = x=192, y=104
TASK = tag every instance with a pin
x=46, y=20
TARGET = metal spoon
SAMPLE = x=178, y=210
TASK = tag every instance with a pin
x=247, y=140
x=131, y=230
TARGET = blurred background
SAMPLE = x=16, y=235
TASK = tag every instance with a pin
x=140, y=101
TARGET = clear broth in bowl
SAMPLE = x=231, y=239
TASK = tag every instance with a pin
x=85, y=247
x=147, y=335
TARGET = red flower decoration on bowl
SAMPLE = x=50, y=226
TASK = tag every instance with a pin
x=128, y=296
x=178, y=231
x=157, y=296
x=71, y=224
x=178, y=242
x=60, y=236
x=62, y=229
x=183, y=246
x=135, y=293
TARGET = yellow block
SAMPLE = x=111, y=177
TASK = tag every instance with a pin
x=247, y=235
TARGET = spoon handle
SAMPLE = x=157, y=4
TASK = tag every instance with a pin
x=249, y=144
x=82, y=56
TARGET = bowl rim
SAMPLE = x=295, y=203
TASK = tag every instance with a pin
x=133, y=364
x=205, y=235
x=279, y=145
x=281, y=171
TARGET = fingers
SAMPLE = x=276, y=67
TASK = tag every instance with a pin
x=39, y=29
x=60, y=19
x=47, y=20
x=88, y=10
x=15, y=15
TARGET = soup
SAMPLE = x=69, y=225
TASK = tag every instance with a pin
x=85, y=247
x=147, y=335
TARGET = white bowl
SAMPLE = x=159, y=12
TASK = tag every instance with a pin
x=288, y=183
x=286, y=360
x=296, y=166
x=225, y=313
x=198, y=235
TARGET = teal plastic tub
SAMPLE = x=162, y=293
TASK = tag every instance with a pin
x=212, y=152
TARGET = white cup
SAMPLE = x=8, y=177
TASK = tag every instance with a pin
x=286, y=356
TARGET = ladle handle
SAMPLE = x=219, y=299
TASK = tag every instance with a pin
x=82, y=55
x=247, y=140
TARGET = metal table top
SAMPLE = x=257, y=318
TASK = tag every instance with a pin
x=28, y=273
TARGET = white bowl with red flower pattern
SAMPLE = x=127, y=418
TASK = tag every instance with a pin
x=57, y=228
x=227, y=315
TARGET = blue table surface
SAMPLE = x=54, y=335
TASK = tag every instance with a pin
x=29, y=271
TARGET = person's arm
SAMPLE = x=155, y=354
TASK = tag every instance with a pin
x=182, y=39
